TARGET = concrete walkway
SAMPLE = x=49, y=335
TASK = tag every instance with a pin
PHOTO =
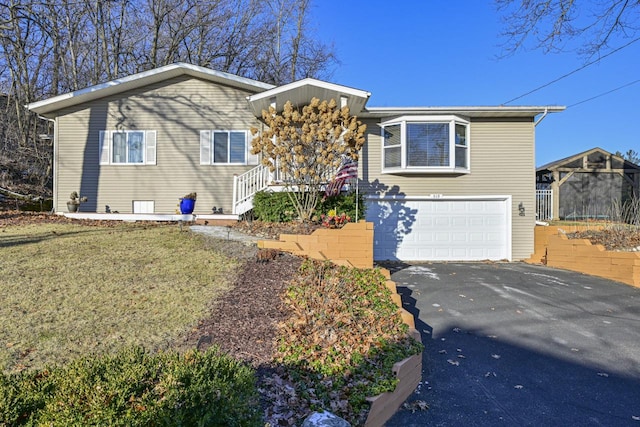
x=515, y=344
x=225, y=233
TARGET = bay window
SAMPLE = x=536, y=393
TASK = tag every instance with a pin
x=425, y=144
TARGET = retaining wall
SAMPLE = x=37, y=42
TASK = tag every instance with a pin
x=408, y=371
x=351, y=245
x=553, y=248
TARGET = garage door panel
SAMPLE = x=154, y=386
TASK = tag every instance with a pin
x=476, y=237
x=458, y=230
x=460, y=237
x=424, y=237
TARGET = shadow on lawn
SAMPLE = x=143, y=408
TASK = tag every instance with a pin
x=470, y=378
x=31, y=238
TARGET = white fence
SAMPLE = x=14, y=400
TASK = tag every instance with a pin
x=544, y=205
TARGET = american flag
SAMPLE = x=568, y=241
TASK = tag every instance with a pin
x=348, y=170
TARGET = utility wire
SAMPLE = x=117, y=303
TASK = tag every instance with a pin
x=603, y=94
x=572, y=72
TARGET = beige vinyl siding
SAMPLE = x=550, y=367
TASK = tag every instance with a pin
x=502, y=162
x=177, y=110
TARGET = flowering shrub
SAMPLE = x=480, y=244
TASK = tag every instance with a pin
x=333, y=220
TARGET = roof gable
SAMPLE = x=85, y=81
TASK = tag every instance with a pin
x=302, y=91
x=594, y=157
x=49, y=107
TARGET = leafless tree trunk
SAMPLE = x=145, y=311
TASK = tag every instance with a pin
x=53, y=47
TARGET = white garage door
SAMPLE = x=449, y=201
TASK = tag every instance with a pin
x=443, y=229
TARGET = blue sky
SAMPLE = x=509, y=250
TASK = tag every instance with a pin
x=445, y=52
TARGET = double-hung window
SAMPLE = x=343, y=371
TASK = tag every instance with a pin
x=128, y=147
x=425, y=144
x=225, y=147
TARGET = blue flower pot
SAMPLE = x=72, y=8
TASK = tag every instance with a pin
x=187, y=206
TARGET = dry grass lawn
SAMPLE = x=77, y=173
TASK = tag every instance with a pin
x=68, y=289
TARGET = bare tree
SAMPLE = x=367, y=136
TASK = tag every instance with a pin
x=597, y=25
x=630, y=155
x=288, y=51
x=52, y=47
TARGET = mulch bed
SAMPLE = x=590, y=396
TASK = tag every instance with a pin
x=244, y=321
x=270, y=230
x=244, y=324
x=613, y=238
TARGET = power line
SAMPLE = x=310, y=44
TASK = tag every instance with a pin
x=572, y=72
x=605, y=93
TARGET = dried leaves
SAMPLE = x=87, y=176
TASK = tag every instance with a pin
x=343, y=336
x=612, y=238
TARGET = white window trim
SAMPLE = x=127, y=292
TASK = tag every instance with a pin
x=207, y=148
x=452, y=120
x=149, y=151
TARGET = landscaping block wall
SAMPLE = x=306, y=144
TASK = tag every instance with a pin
x=350, y=245
x=408, y=371
x=541, y=239
x=553, y=248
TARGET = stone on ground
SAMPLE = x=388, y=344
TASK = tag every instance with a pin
x=324, y=419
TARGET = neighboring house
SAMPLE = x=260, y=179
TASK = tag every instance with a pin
x=589, y=184
x=442, y=183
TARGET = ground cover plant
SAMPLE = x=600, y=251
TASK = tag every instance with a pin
x=71, y=290
x=341, y=340
x=134, y=388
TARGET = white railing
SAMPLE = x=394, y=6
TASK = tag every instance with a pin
x=544, y=205
x=245, y=186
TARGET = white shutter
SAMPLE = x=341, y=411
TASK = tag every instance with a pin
x=150, y=144
x=105, y=144
x=205, y=147
x=252, y=159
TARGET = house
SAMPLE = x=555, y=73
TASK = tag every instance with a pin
x=588, y=184
x=442, y=183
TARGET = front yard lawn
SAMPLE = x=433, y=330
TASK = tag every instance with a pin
x=87, y=307
x=71, y=290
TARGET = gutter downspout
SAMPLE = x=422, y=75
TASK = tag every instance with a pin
x=53, y=157
x=546, y=111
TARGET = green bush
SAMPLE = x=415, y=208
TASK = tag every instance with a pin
x=273, y=207
x=344, y=202
x=277, y=207
x=134, y=388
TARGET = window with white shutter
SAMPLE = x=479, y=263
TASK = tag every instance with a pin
x=128, y=147
x=226, y=147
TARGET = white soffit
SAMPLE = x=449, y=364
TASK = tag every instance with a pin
x=300, y=93
x=468, y=111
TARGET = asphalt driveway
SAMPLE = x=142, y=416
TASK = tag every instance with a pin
x=516, y=344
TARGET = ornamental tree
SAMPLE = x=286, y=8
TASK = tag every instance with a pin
x=307, y=146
